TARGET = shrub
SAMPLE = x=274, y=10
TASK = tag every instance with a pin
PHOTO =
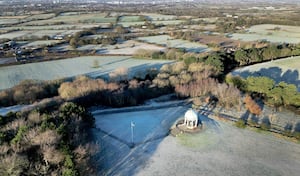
x=19, y=135
x=240, y=123
x=252, y=106
x=13, y=164
x=52, y=155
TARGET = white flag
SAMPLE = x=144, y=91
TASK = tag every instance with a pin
x=132, y=124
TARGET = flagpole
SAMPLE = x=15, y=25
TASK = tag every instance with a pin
x=131, y=125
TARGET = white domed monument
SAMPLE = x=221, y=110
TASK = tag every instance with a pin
x=191, y=119
x=190, y=124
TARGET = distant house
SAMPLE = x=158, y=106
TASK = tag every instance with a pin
x=58, y=37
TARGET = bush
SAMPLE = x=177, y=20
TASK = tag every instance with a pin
x=240, y=123
x=296, y=134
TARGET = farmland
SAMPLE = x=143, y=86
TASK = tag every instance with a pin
x=167, y=41
x=27, y=34
x=137, y=101
x=270, y=32
x=128, y=47
x=75, y=18
x=42, y=43
x=280, y=70
x=12, y=75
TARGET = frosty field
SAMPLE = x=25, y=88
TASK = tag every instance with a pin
x=42, y=43
x=128, y=47
x=12, y=75
x=35, y=33
x=219, y=149
x=167, y=41
x=225, y=150
x=286, y=70
x=156, y=17
x=270, y=32
x=75, y=18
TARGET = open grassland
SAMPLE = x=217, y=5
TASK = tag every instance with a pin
x=15, y=34
x=12, y=75
x=287, y=70
x=219, y=149
x=129, y=47
x=73, y=19
x=159, y=17
x=272, y=33
x=27, y=34
x=50, y=27
x=42, y=43
x=135, y=23
x=209, y=20
x=223, y=149
x=40, y=16
x=168, y=41
x=4, y=21
x=130, y=18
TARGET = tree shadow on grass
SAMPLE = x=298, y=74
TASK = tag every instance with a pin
x=297, y=127
x=276, y=73
x=117, y=156
x=104, y=74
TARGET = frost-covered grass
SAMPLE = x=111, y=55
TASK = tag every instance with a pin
x=50, y=27
x=12, y=75
x=219, y=149
x=8, y=21
x=134, y=23
x=167, y=41
x=129, y=47
x=287, y=70
x=272, y=33
x=149, y=124
x=42, y=43
x=129, y=18
x=226, y=151
x=40, y=16
x=36, y=33
x=78, y=18
x=161, y=17
x=51, y=33
x=209, y=20
x=168, y=22
x=15, y=34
